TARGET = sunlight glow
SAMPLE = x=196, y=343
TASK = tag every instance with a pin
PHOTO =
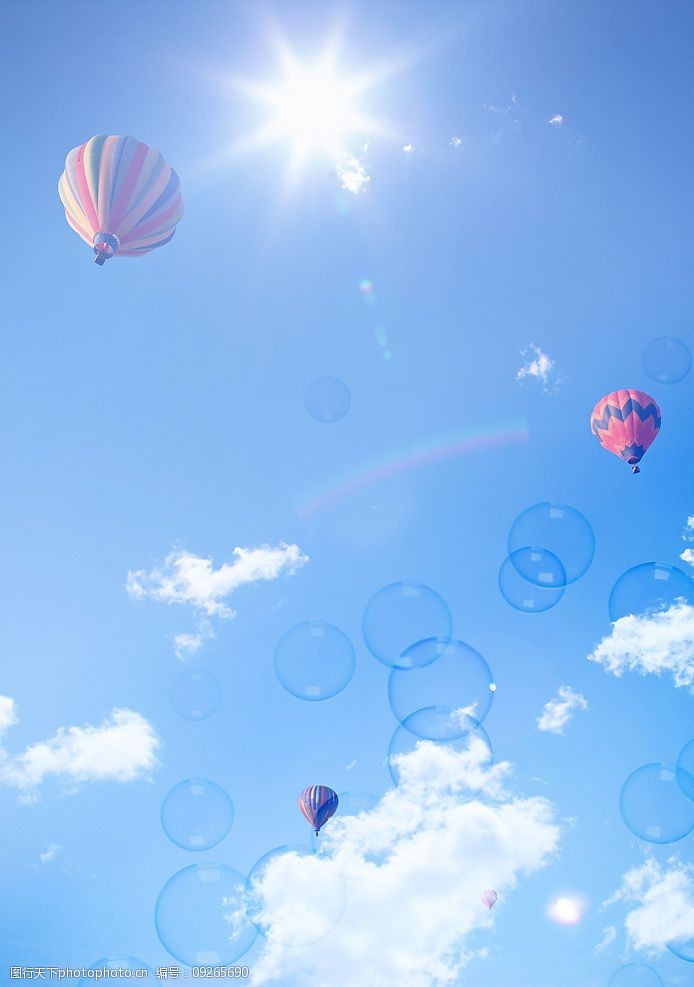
x=315, y=109
x=566, y=911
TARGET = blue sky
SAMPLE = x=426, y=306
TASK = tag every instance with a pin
x=158, y=404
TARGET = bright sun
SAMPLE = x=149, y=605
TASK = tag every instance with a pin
x=316, y=111
x=313, y=108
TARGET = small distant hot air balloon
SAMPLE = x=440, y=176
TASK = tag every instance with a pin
x=318, y=803
x=120, y=196
x=489, y=897
x=626, y=422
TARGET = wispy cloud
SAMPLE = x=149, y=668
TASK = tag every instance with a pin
x=652, y=644
x=188, y=643
x=415, y=865
x=193, y=580
x=408, y=148
x=353, y=175
x=661, y=897
x=456, y=141
x=50, y=853
x=123, y=748
x=539, y=366
x=504, y=110
x=560, y=710
x=609, y=934
x=556, y=120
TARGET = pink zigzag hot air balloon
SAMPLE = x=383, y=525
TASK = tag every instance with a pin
x=318, y=803
x=489, y=898
x=626, y=423
x=120, y=196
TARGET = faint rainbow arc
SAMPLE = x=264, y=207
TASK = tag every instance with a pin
x=421, y=454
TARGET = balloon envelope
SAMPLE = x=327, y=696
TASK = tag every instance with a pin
x=626, y=423
x=318, y=803
x=120, y=196
x=489, y=897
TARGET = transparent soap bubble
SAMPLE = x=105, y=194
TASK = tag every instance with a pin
x=196, y=694
x=683, y=949
x=327, y=399
x=667, y=360
x=314, y=660
x=408, y=737
x=453, y=688
x=545, y=589
x=294, y=896
x=197, y=814
x=647, y=588
x=685, y=770
x=200, y=915
x=560, y=530
x=400, y=615
x=653, y=805
x=635, y=975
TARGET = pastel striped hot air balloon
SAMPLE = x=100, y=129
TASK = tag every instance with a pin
x=489, y=898
x=120, y=196
x=318, y=803
x=626, y=422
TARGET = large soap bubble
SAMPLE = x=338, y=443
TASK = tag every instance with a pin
x=196, y=694
x=200, y=916
x=197, y=814
x=685, y=770
x=454, y=688
x=294, y=896
x=408, y=737
x=667, y=360
x=635, y=975
x=654, y=807
x=683, y=949
x=559, y=529
x=399, y=616
x=647, y=588
x=545, y=589
x=314, y=660
x=327, y=399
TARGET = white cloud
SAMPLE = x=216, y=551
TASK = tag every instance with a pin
x=50, y=853
x=609, y=934
x=539, y=366
x=556, y=120
x=414, y=868
x=456, y=141
x=123, y=748
x=662, y=897
x=191, y=579
x=651, y=643
x=688, y=535
x=187, y=643
x=352, y=764
x=8, y=713
x=408, y=148
x=558, y=711
x=353, y=175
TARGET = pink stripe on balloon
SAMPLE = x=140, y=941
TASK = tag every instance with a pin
x=140, y=232
x=85, y=195
x=127, y=187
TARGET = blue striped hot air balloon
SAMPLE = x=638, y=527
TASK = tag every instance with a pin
x=318, y=803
